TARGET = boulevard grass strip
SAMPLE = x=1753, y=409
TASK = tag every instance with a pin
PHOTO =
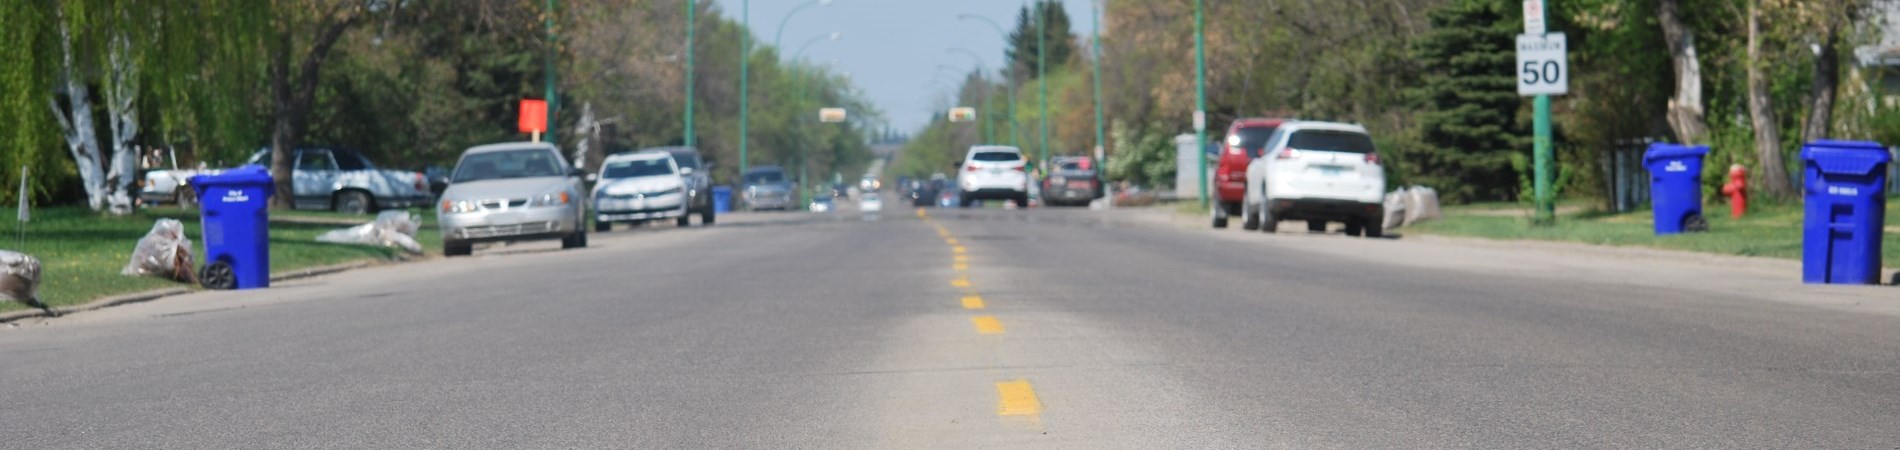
x=82, y=252
x=1769, y=230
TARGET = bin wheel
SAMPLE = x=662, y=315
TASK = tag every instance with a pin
x=218, y=275
x=1695, y=224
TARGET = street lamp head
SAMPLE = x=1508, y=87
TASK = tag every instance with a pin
x=824, y=2
x=836, y=35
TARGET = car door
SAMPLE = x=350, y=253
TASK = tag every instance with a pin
x=313, y=178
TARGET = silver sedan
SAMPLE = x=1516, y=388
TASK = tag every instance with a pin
x=512, y=192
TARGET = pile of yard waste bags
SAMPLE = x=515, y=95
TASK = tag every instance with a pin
x=390, y=229
x=164, y=252
x=1410, y=205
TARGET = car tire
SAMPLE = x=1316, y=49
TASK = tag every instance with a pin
x=1355, y=228
x=1022, y=201
x=965, y=200
x=1268, y=223
x=1249, y=220
x=706, y=217
x=684, y=220
x=1316, y=226
x=601, y=226
x=353, y=202
x=457, y=248
x=577, y=239
x=1375, y=229
x=1219, y=215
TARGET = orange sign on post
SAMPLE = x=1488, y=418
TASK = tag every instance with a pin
x=533, y=117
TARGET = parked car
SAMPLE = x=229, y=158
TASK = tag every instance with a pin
x=1073, y=181
x=1318, y=172
x=513, y=192
x=342, y=180
x=163, y=186
x=640, y=186
x=872, y=202
x=1245, y=139
x=767, y=187
x=922, y=193
x=821, y=204
x=993, y=172
x=699, y=185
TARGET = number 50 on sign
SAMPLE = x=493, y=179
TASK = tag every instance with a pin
x=1543, y=64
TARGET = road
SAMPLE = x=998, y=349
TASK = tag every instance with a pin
x=1054, y=329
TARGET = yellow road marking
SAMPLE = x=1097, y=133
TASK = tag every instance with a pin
x=960, y=267
x=987, y=325
x=957, y=249
x=962, y=258
x=972, y=302
x=1016, y=398
x=951, y=241
x=960, y=282
x=920, y=212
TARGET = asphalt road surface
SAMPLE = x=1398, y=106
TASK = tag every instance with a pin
x=979, y=329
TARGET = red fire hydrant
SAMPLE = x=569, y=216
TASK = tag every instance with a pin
x=1737, y=190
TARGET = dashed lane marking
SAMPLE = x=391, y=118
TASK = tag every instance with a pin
x=1017, y=398
x=987, y=325
x=972, y=302
x=951, y=241
x=962, y=258
x=958, y=249
x=960, y=267
x=960, y=282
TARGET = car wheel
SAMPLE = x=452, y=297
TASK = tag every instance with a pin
x=1355, y=228
x=1268, y=223
x=1219, y=215
x=1022, y=201
x=602, y=226
x=1316, y=226
x=965, y=201
x=577, y=239
x=218, y=275
x=1375, y=229
x=1249, y=220
x=684, y=220
x=353, y=202
x=706, y=216
x=457, y=248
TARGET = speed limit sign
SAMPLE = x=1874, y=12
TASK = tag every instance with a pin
x=1543, y=64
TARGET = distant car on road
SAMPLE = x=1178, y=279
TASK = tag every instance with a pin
x=993, y=172
x=1073, y=182
x=1245, y=139
x=767, y=187
x=1317, y=172
x=513, y=192
x=821, y=204
x=640, y=186
x=922, y=193
x=872, y=202
x=699, y=185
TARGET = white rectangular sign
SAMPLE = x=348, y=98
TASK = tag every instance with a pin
x=831, y=115
x=1534, y=17
x=1543, y=64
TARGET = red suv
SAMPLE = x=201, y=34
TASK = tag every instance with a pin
x=1245, y=139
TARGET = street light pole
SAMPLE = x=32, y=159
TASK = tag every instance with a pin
x=745, y=78
x=691, y=6
x=1100, y=142
x=554, y=101
x=1200, y=97
x=1042, y=78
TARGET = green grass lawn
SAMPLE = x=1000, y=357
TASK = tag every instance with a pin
x=1772, y=230
x=82, y=252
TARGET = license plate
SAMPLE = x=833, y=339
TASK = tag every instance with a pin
x=1331, y=171
x=996, y=171
x=1079, y=185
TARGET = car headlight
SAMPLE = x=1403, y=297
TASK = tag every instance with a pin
x=457, y=206
x=552, y=199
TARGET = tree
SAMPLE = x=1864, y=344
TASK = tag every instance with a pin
x=1761, y=113
x=1469, y=103
x=1686, y=114
x=1024, y=45
x=293, y=92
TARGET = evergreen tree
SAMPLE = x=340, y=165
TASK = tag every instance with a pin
x=1468, y=102
x=1023, y=45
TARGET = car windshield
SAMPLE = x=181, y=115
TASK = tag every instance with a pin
x=686, y=160
x=1252, y=139
x=996, y=156
x=627, y=168
x=1331, y=141
x=764, y=177
x=507, y=164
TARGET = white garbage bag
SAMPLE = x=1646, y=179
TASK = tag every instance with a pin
x=164, y=252
x=390, y=229
x=1421, y=204
x=1395, y=209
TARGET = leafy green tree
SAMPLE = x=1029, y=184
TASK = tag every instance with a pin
x=1469, y=103
x=1024, y=47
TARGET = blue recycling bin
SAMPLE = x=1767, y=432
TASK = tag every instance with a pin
x=1845, y=184
x=722, y=198
x=235, y=207
x=1675, y=187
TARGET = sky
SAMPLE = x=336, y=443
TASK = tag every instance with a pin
x=892, y=48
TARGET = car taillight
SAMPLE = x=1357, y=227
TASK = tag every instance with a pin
x=970, y=168
x=1287, y=153
x=1372, y=158
x=422, y=184
x=1021, y=168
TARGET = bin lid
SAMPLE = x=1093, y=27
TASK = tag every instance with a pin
x=247, y=174
x=1663, y=150
x=1846, y=157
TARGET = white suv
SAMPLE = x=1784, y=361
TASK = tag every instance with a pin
x=1317, y=172
x=994, y=172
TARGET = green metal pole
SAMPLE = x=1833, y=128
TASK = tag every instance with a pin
x=691, y=138
x=1042, y=75
x=745, y=72
x=554, y=101
x=1541, y=154
x=1096, y=8
x=1200, y=97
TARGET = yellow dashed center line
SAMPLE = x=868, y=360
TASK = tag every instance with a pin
x=958, y=249
x=973, y=302
x=987, y=325
x=951, y=241
x=1016, y=398
x=961, y=258
x=960, y=267
x=960, y=282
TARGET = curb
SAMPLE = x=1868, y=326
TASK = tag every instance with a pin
x=155, y=294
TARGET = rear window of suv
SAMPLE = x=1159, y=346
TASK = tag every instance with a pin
x=996, y=156
x=1331, y=141
x=1252, y=139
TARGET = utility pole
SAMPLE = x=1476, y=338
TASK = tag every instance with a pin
x=1042, y=75
x=691, y=7
x=1540, y=151
x=745, y=72
x=1096, y=8
x=1200, y=97
x=554, y=101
